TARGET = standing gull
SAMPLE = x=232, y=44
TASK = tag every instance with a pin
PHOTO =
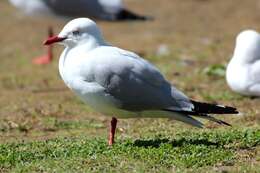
x=109, y=10
x=119, y=83
x=243, y=70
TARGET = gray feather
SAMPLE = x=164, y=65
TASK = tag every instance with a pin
x=187, y=119
x=136, y=84
x=79, y=8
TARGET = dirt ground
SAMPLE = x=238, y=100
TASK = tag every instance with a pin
x=198, y=33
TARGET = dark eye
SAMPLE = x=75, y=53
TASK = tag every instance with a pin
x=75, y=32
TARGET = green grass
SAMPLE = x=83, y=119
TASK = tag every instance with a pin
x=157, y=154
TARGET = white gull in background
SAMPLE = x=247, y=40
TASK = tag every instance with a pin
x=109, y=10
x=119, y=83
x=243, y=70
x=112, y=10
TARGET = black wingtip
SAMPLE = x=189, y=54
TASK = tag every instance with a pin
x=206, y=116
x=221, y=122
x=212, y=108
x=225, y=123
x=125, y=15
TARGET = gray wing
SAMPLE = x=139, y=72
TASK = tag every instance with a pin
x=254, y=74
x=79, y=8
x=137, y=84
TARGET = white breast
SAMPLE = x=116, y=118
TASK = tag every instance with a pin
x=237, y=77
x=90, y=92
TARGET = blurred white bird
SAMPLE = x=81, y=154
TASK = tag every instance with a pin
x=243, y=71
x=121, y=84
x=109, y=10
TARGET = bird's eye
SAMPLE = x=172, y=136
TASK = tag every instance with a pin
x=76, y=32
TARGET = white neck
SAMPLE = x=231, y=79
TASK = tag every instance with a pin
x=245, y=55
x=91, y=44
x=81, y=48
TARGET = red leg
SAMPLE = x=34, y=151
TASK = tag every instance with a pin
x=45, y=59
x=112, y=131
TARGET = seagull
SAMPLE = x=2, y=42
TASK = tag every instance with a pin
x=243, y=70
x=119, y=83
x=109, y=10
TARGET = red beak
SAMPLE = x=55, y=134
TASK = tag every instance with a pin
x=53, y=39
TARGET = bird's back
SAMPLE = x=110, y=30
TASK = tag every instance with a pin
x=79, y=8
x=132, y=80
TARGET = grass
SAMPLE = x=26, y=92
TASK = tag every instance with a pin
x=184, y=150
x=45, y=128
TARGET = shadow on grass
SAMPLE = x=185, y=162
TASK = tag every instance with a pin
x=155, y=143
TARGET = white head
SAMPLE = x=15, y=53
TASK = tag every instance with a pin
x=78, y=32
x=247, y=48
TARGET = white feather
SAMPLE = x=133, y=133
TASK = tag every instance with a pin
x=243, y=71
